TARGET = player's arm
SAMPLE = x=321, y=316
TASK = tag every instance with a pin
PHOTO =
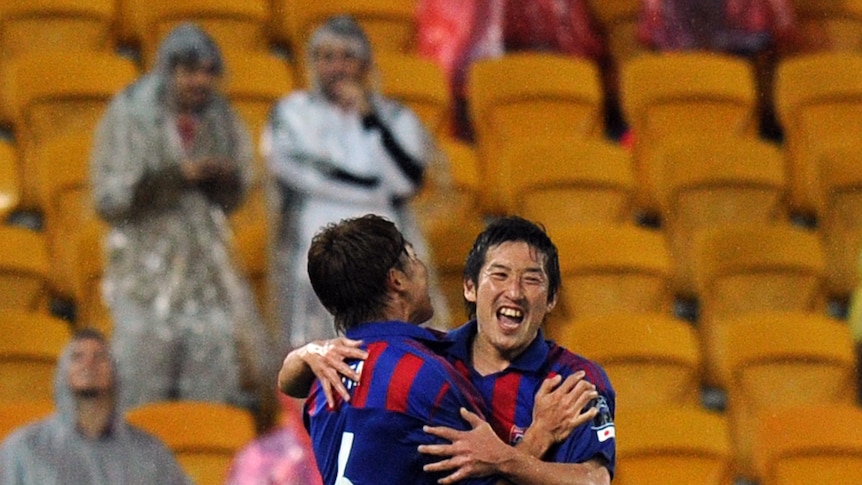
x=480, y=452
x=557, y=411
x=324, y=360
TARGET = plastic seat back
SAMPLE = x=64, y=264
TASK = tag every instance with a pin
x=29, y=352
x=819, y=103
x=831, y=25
x=14, y=415
x=613, y=269
x=690, y=94
x=673, y=446
x=702, y=184
x=419, y=84
x=10, y=180
x=61, y=179
x=840, y=216
x=55, y=25
x=619, y=20
x=775, y=360
x=49, y=102
x=570, y=182
x=203, y=436
x=233, y=24
x=653, y=360
x=793, y=451
x=24, y=270
x=531, y=95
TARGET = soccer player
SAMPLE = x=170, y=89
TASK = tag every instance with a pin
x=511, y=280
x=370, y=279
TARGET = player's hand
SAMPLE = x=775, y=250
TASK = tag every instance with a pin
x=473, y=453
x=327, y=359
x=559, y=407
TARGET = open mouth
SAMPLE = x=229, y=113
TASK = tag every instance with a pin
x=513, y=316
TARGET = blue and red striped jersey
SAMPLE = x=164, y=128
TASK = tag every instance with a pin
x=404, y=385
x=510, y=395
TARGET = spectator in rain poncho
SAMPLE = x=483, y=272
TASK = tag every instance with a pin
x=171, y=158
x=86, y=441
x=337, y=151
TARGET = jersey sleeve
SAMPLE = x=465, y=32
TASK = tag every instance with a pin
x=596, y=439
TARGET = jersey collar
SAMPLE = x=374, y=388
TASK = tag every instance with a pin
x=532, y=359
x=396, y=328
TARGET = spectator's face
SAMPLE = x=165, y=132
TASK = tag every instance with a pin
x=417, y=288
x=336, y=61
x=511, y=297
x=91, y=370
x=194, y=85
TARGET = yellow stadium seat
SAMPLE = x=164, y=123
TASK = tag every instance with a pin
x=527, y=96
x=840, y=216
x=776, y=360
x=619, y=21
x=24, y=268
x=63, y=25
x=564, y=182
x=450, y=241
x=10, y=179
x=389, y=24
x=613, y=268
x=419, y=84
x=673, y=446
x=653, y=360
x=754, y=268
x=708, y=183
x=818, y=443
x=49, y=102
x=29, y=352
x=833, y=25
x=14, y=415
x=684, y=94
x=89, y=267
x=61, y=169
x=254, y=82
x=819, y=103
x=51, y=25
x=251, y=230
x=463, y=166
x=233, y=24
x=204, y=436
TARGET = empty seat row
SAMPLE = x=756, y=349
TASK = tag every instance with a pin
x=769, y=361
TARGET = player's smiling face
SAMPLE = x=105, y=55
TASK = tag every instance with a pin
x=511, y=296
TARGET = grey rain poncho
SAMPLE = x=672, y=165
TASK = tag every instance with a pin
x=53, y=452
x=185, y=319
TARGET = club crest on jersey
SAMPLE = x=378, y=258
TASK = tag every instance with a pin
x=516, y=435
x=348, y=383
x=603, y=423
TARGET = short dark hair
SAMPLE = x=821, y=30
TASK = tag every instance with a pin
x=512, y=229
x=348, y=264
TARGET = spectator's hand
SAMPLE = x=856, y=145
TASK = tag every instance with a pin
x=205, y=168
x=352, y=96
x=559, y=409
x=473, y=453
x=327, y=359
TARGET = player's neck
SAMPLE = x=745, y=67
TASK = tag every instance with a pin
x=486, y=359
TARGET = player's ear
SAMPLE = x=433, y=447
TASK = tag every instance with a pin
x=552, y=302
x=395, y=280
x=469, y=290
